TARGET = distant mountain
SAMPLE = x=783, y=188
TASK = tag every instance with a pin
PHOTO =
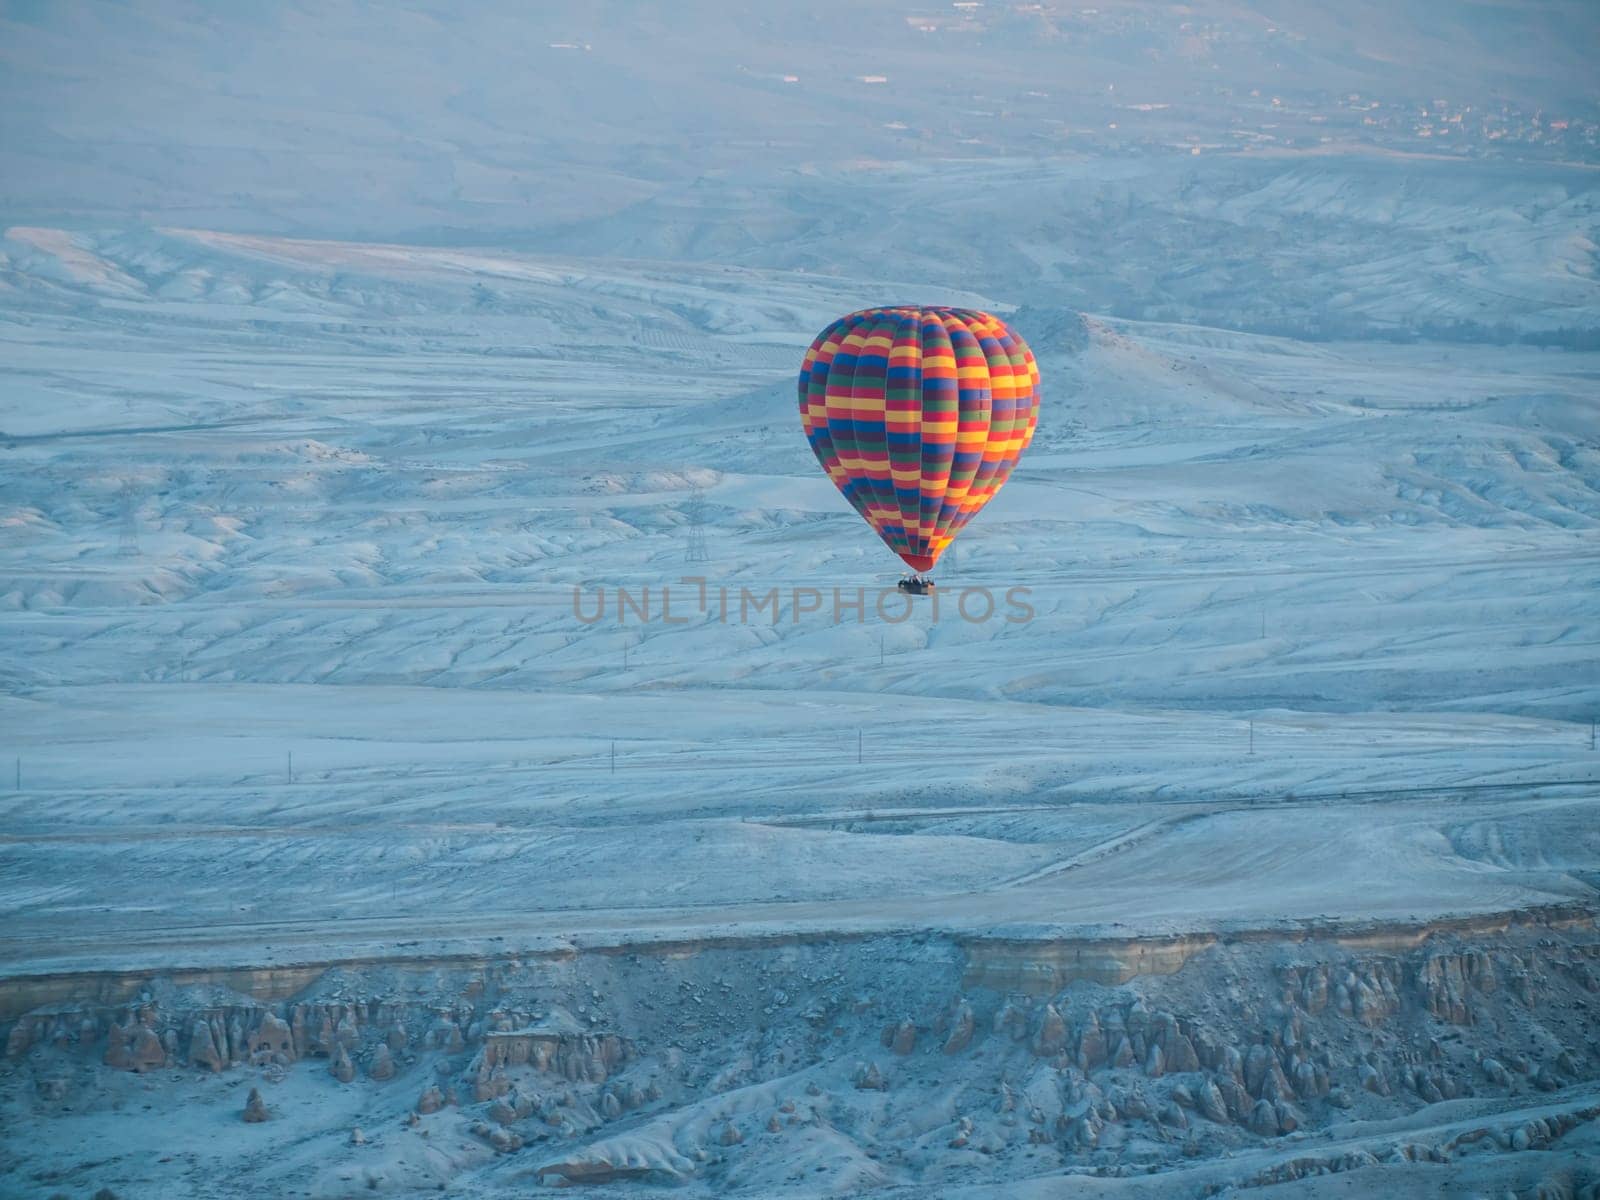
x=429, y=119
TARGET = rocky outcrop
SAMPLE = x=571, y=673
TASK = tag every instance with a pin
x=1091, y=1043
x=962, y=1027
x=1446, y=984
x=20, y=1039
x=116, y=1054
x=1011, y=1021
x=621, y=1160
x=380, y=1066
x=901, y=1039
x=1051, y=1035
x=489, y=1081
x=1155, y=1063
x=445, y=1035
x=589, y=1058
x=575, y=1057
x=1258, y=1043
x=1263, y=1119
x=1235, y=1099
x=500, y=1138
x=1370, y=992
x=342, y=1068
x=203, y=1050
x=255, y=1108
x=53, y=1088
x=145, y=1051
x=272, y=1042
x=868, y=1078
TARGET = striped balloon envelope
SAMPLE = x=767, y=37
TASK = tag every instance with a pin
x=918, y=415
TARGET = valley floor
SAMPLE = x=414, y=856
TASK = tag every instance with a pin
x=1283, y=793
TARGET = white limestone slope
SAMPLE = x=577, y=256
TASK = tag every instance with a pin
x=275, y=498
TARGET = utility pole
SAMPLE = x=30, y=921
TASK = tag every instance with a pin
x=858, y=745
x=1263, y=622
x=624, y=656
x=1591, y=732
x=613, y=758
x=880, y=649
x=1252, y=737
x=288, y=769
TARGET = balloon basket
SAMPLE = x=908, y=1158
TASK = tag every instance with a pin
x=916, y=586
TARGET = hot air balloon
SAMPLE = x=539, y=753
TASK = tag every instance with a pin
x=918, y=415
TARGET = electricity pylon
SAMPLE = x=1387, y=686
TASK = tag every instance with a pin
x=128, y=529
x=694, y=512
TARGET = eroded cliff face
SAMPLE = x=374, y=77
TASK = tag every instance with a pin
x=831, y=1068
